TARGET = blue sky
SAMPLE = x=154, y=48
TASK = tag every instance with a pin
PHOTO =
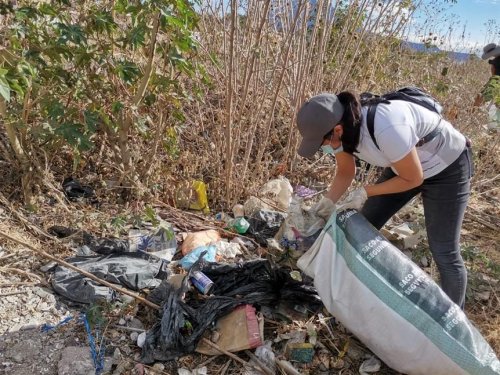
x=468, y=19
x=476, y=13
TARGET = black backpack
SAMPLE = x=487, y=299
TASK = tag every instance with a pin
x=410, y=94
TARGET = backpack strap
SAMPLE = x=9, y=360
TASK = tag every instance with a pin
x=370, y=122
x=412, y=98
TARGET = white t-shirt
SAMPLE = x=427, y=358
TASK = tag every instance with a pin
x=398, y=127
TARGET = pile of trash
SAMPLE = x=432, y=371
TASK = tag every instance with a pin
x=214, y=292
x=208, y=282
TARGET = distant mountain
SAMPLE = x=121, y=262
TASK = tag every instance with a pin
x=420, y=47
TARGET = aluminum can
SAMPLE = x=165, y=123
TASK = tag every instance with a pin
x=201, y=282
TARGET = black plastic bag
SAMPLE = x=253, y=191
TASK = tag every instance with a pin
x=61, y=232
x=75, y=191
x=185, y=319
x=106, y=246
x=182, y=326
x=265, y=224
x=134, y=271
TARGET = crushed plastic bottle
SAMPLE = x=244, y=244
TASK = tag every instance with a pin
x=240, y=225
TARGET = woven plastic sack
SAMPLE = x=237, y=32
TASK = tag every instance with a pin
x=390, y=304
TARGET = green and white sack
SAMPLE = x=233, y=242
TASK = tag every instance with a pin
x=390, y=304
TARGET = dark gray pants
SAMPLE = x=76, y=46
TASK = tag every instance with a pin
x=445, y=198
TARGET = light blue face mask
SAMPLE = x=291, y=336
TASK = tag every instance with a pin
x=329, y=150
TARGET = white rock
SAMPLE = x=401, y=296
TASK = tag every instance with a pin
x=141, y=339
x=483, y=296
x=369, y=366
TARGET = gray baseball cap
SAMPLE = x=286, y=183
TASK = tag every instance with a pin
x=315, y=119
x=490, y=50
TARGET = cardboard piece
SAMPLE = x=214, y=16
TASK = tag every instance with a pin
x=241, y=329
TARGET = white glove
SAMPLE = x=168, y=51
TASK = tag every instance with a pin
x=324, y=208
x=356, y=199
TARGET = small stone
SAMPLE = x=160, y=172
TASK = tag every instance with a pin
x=370, y=365
x=136, y=323
x=18, y=357
x=215, y=336
x=48, y=267
x=322, y=367
x=126, y=350
x=424, y=261
x=59, y=345
x=117, y=354
x=122, y=322
x=337, y=363
x=76, y=360
x=139, y=369
x=141, y=339
x=40, y=292
x=128, y=318
x=44, y=307
x=483, y=296
x=355, y=352
x=134, y=336
x=324, y=357
x=159, y=366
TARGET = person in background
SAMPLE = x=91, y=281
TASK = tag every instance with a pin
x=421, y=152
x=490, y=93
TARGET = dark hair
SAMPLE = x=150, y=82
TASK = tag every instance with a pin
x=496, y=63
x=351, y=121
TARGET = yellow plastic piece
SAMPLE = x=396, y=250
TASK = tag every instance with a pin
x=201, y=201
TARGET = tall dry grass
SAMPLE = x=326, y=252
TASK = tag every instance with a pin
x=265, y=58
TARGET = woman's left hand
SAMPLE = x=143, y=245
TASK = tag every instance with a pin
x=356, y=199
